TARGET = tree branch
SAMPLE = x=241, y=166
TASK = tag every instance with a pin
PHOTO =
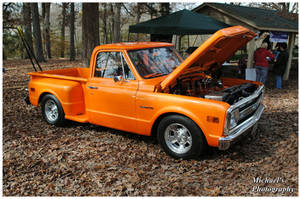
x=122, y=4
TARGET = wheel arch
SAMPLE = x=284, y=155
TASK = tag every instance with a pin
x=60, y=120
x=166, y=114
x=44, y=93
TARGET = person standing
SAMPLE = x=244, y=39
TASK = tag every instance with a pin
x=262, y=56
x=280, y=64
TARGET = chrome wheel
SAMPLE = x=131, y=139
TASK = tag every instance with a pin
x=178, y=138
x=51, y=110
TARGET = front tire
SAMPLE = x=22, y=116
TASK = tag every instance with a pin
x=180, y=137
x=52, y=110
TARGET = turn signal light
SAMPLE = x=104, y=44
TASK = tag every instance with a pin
x=212, y=119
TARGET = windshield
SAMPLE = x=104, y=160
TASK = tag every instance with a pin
x=154, y=62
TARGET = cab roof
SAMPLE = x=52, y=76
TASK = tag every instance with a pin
x=132, y=45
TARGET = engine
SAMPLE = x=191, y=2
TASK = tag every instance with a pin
x=233, y=94
x=211, y=88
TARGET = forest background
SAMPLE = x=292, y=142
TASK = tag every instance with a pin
x=72, y=30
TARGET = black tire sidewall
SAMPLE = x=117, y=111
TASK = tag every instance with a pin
x=61, y=115
x=199, y=143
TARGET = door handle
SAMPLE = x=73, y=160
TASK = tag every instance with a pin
x=93, y=87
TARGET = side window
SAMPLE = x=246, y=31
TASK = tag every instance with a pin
x=101, y=62
x=109, y=64
x=113, y=66
x=128, y=74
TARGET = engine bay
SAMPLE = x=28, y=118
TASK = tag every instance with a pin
x=205, y=86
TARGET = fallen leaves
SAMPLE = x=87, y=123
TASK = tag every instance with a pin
x=89, y=160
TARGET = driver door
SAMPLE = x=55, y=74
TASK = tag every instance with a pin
x=111, y=93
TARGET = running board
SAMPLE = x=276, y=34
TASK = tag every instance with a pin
x=78, y=118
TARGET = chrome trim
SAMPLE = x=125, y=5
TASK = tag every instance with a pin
x=147, y=107
x=244, y=113
x=251, y=97
x=239, y=104
x=224, y=142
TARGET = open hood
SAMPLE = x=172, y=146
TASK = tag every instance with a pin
x=213, y=52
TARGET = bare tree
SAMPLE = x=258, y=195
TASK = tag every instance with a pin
x=10, y=18
x=112, y=24
x=90, y=30
x=117, y=23
x=152, y=11
x=72, y=32
x=288, y=10
x=46, y=17
x=27, y=25
x=11, y=44
x=164, y=9
x=104, y=21
x=62, y=33
x=37, y=32
x=286, y=7
x=138, y=17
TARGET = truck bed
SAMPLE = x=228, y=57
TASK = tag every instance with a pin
x=76, y=74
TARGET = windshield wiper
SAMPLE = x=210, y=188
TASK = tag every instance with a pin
x=155, y=75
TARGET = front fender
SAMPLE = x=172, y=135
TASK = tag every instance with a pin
x=197, y=109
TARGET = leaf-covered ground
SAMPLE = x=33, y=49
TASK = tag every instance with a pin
x=86, y=160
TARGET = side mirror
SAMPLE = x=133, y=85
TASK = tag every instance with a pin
x=117, y=78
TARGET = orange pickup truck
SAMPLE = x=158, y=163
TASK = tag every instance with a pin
x=147, y=88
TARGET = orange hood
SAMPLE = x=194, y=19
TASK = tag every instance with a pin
x=216, y=50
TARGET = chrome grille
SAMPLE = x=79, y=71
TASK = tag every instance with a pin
x=251, y=106
x=246, y=108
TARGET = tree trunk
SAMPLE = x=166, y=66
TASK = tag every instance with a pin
x=43, y=29
x=90, y=30
x=151, y=10
x=47, y=29
x=62, y=33
x=37, y=32
x=138, y=17
x=112, y=25
x=117, y=24
x=72, y=33
x=104, y=19
x=4, y=56
x=164, y=9
x=27, y=26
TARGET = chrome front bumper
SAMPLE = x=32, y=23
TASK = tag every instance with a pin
x=225, y=142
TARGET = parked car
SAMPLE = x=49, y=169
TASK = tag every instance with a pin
x=146, y=88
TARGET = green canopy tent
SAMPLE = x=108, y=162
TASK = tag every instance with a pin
x=181, y=23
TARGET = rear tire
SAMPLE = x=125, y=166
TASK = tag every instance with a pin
x=180, y=137
x=52, y=110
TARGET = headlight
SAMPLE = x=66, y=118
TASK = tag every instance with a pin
x=236, y=115
x=232, y=120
